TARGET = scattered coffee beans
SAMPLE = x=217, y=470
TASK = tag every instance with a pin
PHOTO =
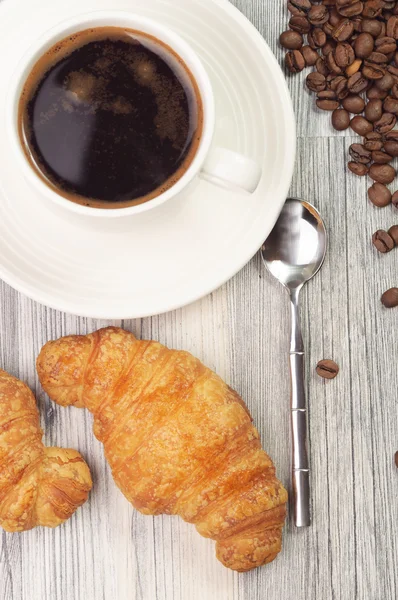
x=390, y=298
x=382, y=241
x=352, y=45
x=327, y=369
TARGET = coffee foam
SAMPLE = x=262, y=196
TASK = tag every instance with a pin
x=89, y=90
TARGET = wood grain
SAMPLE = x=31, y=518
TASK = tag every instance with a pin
x=108, y=551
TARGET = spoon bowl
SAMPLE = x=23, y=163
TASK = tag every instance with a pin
x=296, y=248
x=293, y=254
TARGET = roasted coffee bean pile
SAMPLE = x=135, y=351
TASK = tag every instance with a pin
x=353, y=47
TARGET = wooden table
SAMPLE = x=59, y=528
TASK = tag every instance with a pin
x=108, y=551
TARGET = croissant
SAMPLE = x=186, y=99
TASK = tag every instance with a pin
x=38, y=485
x=179, y=441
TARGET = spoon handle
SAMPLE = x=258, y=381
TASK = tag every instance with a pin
x=300, y=461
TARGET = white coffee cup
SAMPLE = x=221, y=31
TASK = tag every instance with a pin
x=219, y=165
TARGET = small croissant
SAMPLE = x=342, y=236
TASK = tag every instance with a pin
x=178, y=439
x=38, y=485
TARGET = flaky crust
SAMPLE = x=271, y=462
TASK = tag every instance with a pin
x=178, y=439
x=38, y=485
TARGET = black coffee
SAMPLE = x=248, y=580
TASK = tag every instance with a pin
x=110, y=117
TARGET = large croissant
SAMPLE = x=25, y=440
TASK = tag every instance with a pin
x=178, y=439
x=38, y=485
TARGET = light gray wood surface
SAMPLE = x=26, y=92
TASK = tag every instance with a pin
x=108, y=551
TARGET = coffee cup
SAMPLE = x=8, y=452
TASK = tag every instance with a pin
x=220, y=166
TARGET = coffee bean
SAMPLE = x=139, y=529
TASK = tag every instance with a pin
x=358, y=168
x=321, y=67
x=374, y=110
x=295, y=61
x=373, y=8
x=354, y=104
x=361, y=126
x=334, y=16
x=359, y=153
x=344, y=55
x=393, y=232
x=385, y=123
x=393, y=70
x=291, y=40
x=357, y=83
x=396, y=459
x=330, y=46
x=317, y=38
x=395, y=199
x=391, y=105
x=354, y=67
x=394, y=91
x=294, y=10
x=377, y=58
x=382, y=173
x=382, y=241
x=386, y=82
x=300, y=24
x=340, y=119
x=327, y=369
x=339, y=85
x=390, y=298
x=325, y=104
x=391, y=136
x=303, y=5
x=381, y=158
x=392, y=27
x=372, y=71
x=373, y=135
x=354, y=8
x=318, y=14
x=357, y=22
x=385, y=45
x=373, y=145
x=316, y=82
x=391, y=148
x=343, y=31
x=327, y=95
x=374, y=93
x=379, y=195
x=331, y=63
x=364, y=45
x=310, y=56
x=371, y=26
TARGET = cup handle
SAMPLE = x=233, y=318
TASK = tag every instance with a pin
x=225, y=167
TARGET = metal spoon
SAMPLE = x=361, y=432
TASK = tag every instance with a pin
x=294, y=253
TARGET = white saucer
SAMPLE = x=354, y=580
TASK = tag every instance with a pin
x=183, y=250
